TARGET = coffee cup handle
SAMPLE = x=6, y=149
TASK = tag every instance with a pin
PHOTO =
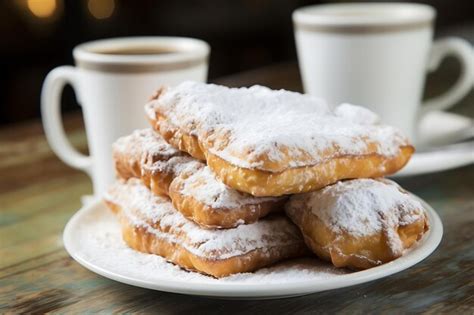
x=52, y=122
x=463, y=51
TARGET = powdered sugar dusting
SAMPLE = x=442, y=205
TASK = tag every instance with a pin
x=176, y=165
x=241, y=125
x=156, y=214
x=361, y=207
x=206, y=188
x=356, y=114
x=155, y=155
x=99, y=237
x=145, y=141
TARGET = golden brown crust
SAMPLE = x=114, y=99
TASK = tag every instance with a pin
x=139, y=239
x=131, y=159
x=304, y=179
x=166, y=181
x=177, y=138
x=355, y=253
x=211, y=217
x=158, y=181
x=348, y=250
x=278, y=181
x=127, y=166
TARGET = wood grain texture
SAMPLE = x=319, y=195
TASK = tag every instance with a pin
x=38, y=194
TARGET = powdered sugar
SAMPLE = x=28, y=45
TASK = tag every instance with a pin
x=242, y=125
x=154, y=154
x=356, y=114
x=101, y=244
x=175, y=165
x=157, y=215
x=145, y=140
x=206, y=188
x=361, y=207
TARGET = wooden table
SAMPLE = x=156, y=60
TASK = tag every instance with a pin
x=38, y=194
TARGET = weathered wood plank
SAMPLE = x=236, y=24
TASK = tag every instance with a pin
x=31, y=150
x=76, y=289
x=33, y=128
x=438, y=275
x=42, y=245
x=34, y=262
x=41, y=224
x=41, y=197
x=38, y=193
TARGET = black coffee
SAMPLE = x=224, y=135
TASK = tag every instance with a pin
x=137, y=51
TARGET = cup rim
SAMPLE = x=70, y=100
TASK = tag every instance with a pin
x=328, y=17
x=190, y=52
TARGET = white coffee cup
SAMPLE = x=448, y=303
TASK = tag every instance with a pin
x=113, y=79
x=377, y=55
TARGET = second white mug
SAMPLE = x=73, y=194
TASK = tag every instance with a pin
x=112, y=80
x=377, y=55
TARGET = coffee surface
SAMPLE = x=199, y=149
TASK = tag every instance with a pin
x=157, y=50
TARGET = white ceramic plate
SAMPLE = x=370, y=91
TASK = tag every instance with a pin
x=436, y=145
x=92, y=238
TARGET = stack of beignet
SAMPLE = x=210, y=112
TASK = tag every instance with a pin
x=231, y=180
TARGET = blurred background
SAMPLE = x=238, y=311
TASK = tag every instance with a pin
x=38, y=35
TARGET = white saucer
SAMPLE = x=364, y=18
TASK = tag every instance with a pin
x=92, y=237
x=435, y=146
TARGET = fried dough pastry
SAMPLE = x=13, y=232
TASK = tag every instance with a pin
x=192, y=187
x=272, y=143
x=359, y=223
x=144, y=154
x=150, y=224
x=204, y=199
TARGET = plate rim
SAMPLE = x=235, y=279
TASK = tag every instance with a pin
x=454, y=158
x=246, y=290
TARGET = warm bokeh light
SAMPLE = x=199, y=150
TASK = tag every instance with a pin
x=42, y=8
x=101, y=9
